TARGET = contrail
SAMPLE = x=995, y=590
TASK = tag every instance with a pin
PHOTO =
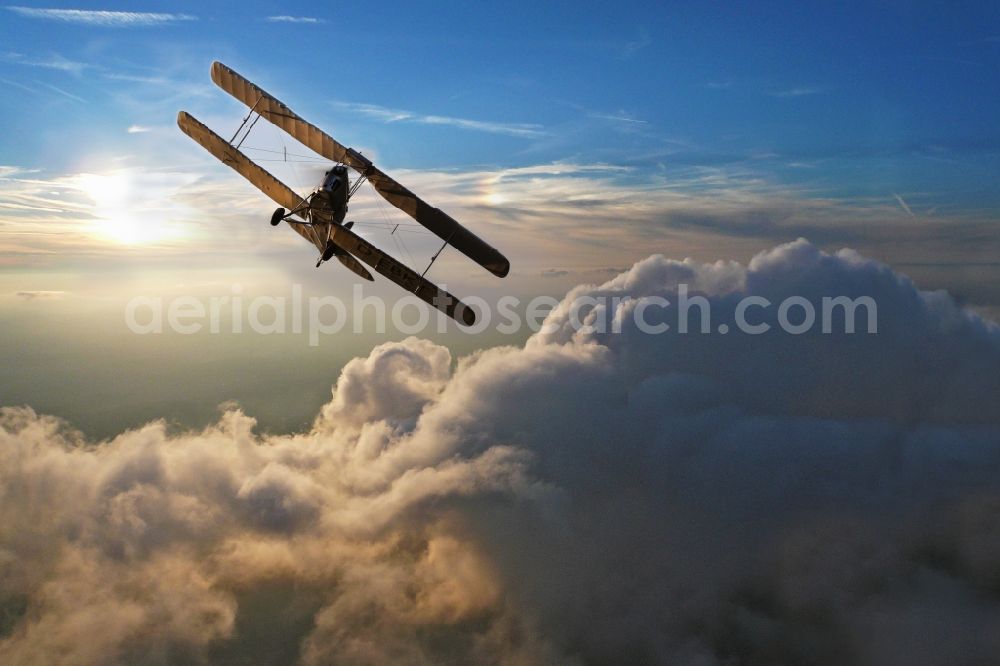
x=903, y=205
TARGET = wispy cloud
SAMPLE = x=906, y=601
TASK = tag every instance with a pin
x=295, y=19
x=62, y=92
x=555, y=273
x=19, y=86
x=103, y=18
x=11, y=171
x=801, y=91
x=54, y=61
x=387, y=115
x=173, y=90
x=638, y=44
x=138, y=129
x=135, y=78
x=620, y=117
x=39, y=294
x=556, y=214
x=903, y=205
x=87, y=213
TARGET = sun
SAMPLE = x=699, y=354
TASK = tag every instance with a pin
x=492, y=194
x=106, y=190
x=123, y=213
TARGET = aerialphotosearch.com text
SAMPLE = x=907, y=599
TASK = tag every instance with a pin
x=317, y=316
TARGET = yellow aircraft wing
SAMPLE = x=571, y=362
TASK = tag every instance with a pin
x=405, y=277
x=280, y=193
x=434, y=219
x=229, y=155
x=354, y=266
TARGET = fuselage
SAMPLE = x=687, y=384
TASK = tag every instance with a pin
x=328, y=204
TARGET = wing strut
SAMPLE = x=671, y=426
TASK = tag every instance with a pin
x=246, y=118
x=434, y=258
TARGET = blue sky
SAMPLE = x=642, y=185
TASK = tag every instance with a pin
x=573, y=135
x=853, y=98
x=578, y=138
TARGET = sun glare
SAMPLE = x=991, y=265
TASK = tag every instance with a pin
x=122, y=211
x=495, y=198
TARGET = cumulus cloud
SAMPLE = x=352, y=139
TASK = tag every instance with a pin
x=587, y=498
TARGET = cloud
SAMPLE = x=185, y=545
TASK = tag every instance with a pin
x=55, y=61
x=581, y=274
x=801, y=91
x=40, y=294
x=636, y=45
x=561, y=214
x=586, y=498
x=903, y=205
x=93, y=214
x=295, y=19
x=62, y=92
x=620, y=117
x=101, y=18
x=387, y=115
x=135, y=78
x=138, y=129
x=19, y=86
x=8, y=171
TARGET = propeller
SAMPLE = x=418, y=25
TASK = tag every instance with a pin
x=313, y=174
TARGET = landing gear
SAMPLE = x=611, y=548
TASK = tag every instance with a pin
x=276, y=218
x=328, y=253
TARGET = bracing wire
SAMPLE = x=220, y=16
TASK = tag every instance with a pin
x=307, y=158
x=284, y=152
x=397, y=239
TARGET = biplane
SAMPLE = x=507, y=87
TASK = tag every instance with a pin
x=320, y=216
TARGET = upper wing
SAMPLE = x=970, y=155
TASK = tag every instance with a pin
x=434, y=219
x=227, y=154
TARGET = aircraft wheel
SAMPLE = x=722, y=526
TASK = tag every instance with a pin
x=277, y=217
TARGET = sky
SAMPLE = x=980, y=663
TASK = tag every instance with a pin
x=576, y=141
x=510, y=495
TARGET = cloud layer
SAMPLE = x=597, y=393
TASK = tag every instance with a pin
x=586, y=498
